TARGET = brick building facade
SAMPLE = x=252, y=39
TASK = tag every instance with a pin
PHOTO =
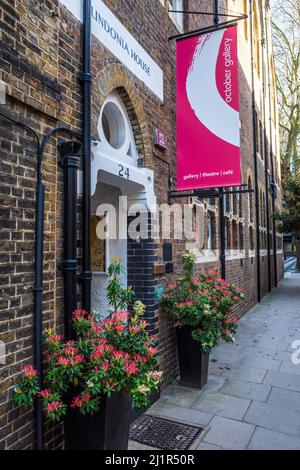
x=40, y=65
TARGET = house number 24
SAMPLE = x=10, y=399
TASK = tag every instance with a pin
x=124, y=172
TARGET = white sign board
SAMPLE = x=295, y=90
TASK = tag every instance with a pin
x=113, y=35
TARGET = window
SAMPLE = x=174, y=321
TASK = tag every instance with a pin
x=240, y=198
x=235, y=239
x=274, y=98
x=113, y=125
x=256, y=40
x=261, y=218
x=211, y=231
x=227, y=234
x=115, y=130
x=245, y=12
x=251, y=233
x=227, y=202
x=241, y=236
x=257, y=136
x=250, y=201
x=177, y=5
x=236, y=198
x=261, y=140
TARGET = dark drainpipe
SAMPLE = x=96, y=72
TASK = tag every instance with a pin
x=255, y=158
x=70, y=164
x=38, y=278
x=86, y=78
x=266, y=147
x=38, y=263
x=222, y=226
x=216, y=12
x=273, y=187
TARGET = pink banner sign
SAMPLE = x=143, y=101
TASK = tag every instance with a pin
x=208, y=124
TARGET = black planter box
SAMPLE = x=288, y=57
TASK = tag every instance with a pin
x=108, y=429
x=193, y=363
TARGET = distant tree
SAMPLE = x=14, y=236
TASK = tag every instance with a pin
x=289, y=215
x=286, y=41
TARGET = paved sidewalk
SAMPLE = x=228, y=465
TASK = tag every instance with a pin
x=252, y=399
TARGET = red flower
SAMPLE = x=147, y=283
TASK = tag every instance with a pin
x=79, y=314
x=152, y=352
x=181, y=305
x=78, y=359
x=120, y=355
x=70, y=350
x=29, y=372
x=108, y=324
x=132, y=368
x=140, y=358
x=134, y=329
x=55, y=339
x=81, y=400
x=96, y=328
x=105, y=365
x=98, y=353
x=53, y=406
x=45, y=393
x=121, y=316
x=63, y=361
x=119, y=329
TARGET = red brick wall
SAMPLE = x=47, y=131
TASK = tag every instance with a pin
x=40, y=61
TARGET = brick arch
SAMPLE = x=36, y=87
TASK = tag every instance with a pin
x=115, y=77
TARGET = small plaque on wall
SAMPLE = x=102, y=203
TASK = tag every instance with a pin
x=158, y=294
x=159, y=269
x=160, y=140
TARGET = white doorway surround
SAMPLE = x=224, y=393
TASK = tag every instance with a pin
x=115, y=158
x=114, y=173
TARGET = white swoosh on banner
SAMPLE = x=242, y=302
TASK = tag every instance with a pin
x=203, y=94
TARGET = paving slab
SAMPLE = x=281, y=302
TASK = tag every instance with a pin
x=252, y=399
x=258, y=362
x=206, y=446
x=184, y=415
x=214, y=383
x=284, y=398
x=282, y=380
x=180, y=396
x=222, y=405
x=274, y=417
x=264, y=439
x=289, y=367
x=239, y=372
x=229, y=434
x=244, y=389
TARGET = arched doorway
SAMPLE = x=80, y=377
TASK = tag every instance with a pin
x=117, y=183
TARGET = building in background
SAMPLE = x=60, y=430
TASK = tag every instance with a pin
x=134, y=154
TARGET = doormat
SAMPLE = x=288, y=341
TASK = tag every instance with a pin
x=163, y=434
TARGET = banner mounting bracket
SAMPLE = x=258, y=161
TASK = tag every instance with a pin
x=208, y=29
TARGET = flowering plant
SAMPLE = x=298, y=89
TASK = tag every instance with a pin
x=109, y=356
x=205, y=303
